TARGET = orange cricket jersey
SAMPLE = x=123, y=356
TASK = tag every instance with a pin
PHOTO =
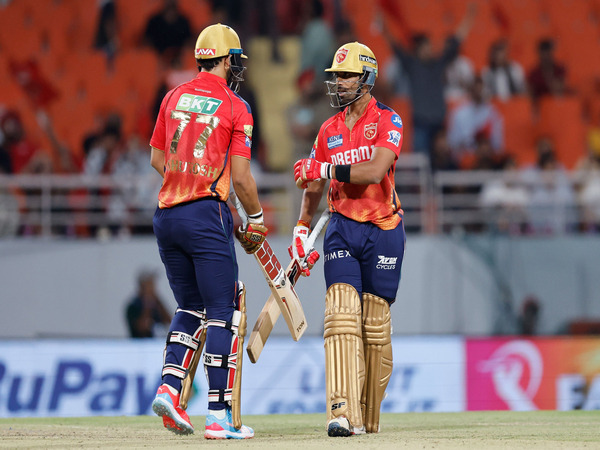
x=200, y=126
x=379, y=126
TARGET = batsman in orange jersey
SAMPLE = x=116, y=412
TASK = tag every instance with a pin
x=200, y=143
x=364, y=243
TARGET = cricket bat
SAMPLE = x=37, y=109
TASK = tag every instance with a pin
x=279, y=283
x=271, y=311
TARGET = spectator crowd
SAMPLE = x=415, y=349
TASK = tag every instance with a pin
x=460, y=114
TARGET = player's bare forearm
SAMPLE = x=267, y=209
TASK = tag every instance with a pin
x=372, y=171
x=311, y=199
x=157, y=160
x=245, y=185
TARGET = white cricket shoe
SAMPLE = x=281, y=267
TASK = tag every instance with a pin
x=340, y=426
x=219, y=425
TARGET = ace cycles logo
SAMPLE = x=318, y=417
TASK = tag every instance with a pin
x=370, y=130
x=341, y=55
x=386, y=262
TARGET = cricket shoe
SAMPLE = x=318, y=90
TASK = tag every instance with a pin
x=340, y=427
x=222, y=428
x=166, y=405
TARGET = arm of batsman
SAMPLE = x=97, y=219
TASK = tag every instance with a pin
x=308, y=169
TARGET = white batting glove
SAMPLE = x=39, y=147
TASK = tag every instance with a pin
x=299, y=237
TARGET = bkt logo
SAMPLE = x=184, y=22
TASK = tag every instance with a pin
x=386, y=262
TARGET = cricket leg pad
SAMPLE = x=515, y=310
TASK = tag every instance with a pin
x=183, y=340
x=344, y=359
x=224, y=371
x=377, y=340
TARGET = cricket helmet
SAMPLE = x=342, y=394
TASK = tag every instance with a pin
x=220, y=40
x=216, y=41
x=352, y=58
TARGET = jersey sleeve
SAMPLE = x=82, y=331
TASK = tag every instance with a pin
x=159, y=138
x=243, y=124
x=390, y=132
x=318, y=148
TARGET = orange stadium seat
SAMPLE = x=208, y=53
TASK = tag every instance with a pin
x=561, y=119
x=524, y=24
x=198, y=12
x=364, y=20
x=484, y=32
x=132, y=18
x=519, y=130
x=427, y=16
x=578, y=38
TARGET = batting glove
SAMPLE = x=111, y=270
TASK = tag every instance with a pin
x=308, y=169
x=309, y=262
x=296, y=250
x=253, y=234
x=306, y=258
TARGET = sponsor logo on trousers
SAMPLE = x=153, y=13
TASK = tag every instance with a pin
x=386, y=262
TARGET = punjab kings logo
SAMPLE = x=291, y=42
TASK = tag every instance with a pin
x=341, y=55
x=370, y=130
x=205, y=52
x=516, y=369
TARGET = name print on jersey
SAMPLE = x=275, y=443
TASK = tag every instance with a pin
x=198, y=104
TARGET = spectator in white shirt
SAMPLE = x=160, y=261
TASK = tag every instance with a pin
x=503, y=78
x=475, y=117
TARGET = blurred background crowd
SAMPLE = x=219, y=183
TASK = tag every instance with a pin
x=500, y=103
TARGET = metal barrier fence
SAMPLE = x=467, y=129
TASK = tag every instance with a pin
x=479, y=201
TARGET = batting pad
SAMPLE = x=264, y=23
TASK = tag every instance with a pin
x=344, y=359
x=377, y=339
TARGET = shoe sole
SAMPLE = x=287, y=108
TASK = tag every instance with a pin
x=170, y=425
x=223, y=435
x=334, y=430
x=163, y=408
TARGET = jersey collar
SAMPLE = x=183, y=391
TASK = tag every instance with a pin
x=207, y=76
x=370, y=105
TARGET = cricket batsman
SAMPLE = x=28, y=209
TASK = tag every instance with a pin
x=201, y=141
x=364, y=243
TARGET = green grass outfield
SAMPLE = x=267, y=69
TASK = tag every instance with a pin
x=473, y=430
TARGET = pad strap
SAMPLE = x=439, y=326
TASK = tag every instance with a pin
x=175, y=370
x=219, y=395
x=181, y=338
x=231, y=326
x=198, y=314
x=223, y=361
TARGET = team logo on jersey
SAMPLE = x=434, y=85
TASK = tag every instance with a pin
x=366, y=58
x=334, y=141
x=198, y=104
x=248, y=130
x=370, y=130
x=396, y=120
x=205, y=52
x=394, y=137
x=341, y=55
